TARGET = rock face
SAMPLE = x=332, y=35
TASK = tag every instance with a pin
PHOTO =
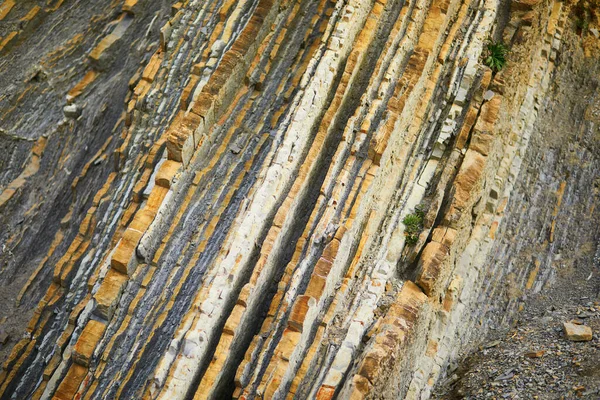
x=205, y=199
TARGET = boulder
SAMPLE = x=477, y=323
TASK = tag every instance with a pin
x=577, y=333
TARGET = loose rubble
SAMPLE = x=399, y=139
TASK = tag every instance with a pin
x=533, y=361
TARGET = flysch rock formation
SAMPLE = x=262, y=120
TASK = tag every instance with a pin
x=207, y=199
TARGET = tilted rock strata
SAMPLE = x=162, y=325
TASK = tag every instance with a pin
x=249, y=242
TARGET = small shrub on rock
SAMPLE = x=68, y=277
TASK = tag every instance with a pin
x=496, y=55
x=413, y=226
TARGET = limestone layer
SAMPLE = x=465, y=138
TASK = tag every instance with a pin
x=209, y=199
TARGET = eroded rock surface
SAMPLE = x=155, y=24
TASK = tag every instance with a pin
x=206, y=199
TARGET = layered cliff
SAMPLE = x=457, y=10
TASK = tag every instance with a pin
x=284, y=199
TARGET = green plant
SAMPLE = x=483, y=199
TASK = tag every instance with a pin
x=496, y=55
x=413, y=226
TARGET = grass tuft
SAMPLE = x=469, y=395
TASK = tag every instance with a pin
x=413, y=226
x=496, y=55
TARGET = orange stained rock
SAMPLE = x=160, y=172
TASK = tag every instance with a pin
x=129, y=5
x=489, y=114
x=276, y=305
x=52, y=295
x=559, y=196
x=167, y=172
x=430, y=266
x=141, y=89
x=431, y=27
x=221, y=86
x=234, y=319
x=390, y=338
x=323, y=267
x=96, y=54
x=19, y=354
x=468, y=176
x=56, y=5
x=70, y=383
x=63, y=275
x=6, y=195
x=140, y=186
x=266, y=248
x=152, y=67
x=34, y=12
x=432, y=348
x=8, y=40
x=370, y=365
x=298, y=313
x=450, y=38
x=142, y=219
x=493, y=229
x=87, y=342
x=325, y=393
x=180, y=143
x=283, y=212
x=188, y=91
x=289, y=340
x=316, y=286
x=304, y=367
x=51, y=366
x=212, y=373
x=360, y=387
x=109, y=293
x=444, y=235
x=5, y=8
x=78, y=309
x=122, y=259
x=275, y=377
x=465, y=130
x=155, y=152
x=176, y=7
x=156, y=198
x=452, y=293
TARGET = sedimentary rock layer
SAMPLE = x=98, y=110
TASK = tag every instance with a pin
x=230, y=182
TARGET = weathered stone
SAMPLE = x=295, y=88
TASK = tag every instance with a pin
x=468, y=176
x=123, y=259
x=108, y=295
x=5, y=8
x=576, y=332
x=129, y=6
x=72, y=111
x=535, y=354
x=101, y=57
x=167, y=172
x=299, y=311
x=430, y=266
x=70, y=384
x=32, y=19
x=78, y=89
x=87, y=342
